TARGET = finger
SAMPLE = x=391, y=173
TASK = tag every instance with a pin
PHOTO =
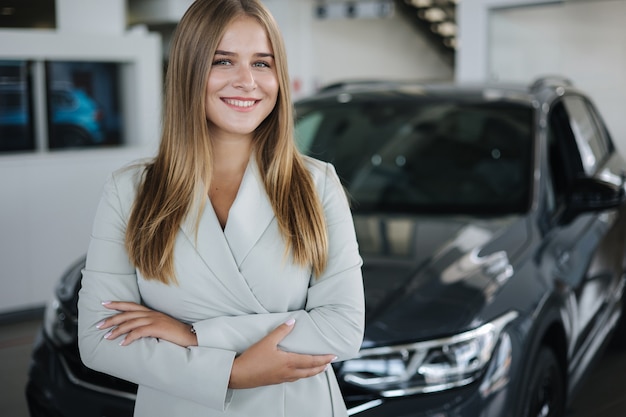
x=305, y=373
x=299, y=361
x=118, y=319
x=128, y=327
x=130, y=338
x=313, y=371
x=124, y=306
x=139, y=324
x=279, y=333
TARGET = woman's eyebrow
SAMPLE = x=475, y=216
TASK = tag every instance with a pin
x=258, y=54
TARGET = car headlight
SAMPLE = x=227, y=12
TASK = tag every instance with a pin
x=428, y=366
x=59, y=323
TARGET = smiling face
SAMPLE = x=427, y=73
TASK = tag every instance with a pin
x=242, y=86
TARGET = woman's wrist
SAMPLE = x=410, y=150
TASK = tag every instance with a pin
x=193, y=337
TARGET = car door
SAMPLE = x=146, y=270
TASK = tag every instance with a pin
x=586, y=249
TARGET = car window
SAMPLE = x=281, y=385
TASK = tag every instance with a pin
x=563, y=155
x=398, y=156
x=592, y=145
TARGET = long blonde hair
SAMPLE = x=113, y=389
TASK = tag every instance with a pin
x=184, y=159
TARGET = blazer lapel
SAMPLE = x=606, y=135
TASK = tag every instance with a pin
x=250, y=215
x=216, y=254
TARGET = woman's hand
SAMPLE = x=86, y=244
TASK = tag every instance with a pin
x=137, y=321
x=265, y=364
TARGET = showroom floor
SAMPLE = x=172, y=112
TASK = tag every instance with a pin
x=604, y=394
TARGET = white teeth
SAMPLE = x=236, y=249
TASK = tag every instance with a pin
x=240, y=103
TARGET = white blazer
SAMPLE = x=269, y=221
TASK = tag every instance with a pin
x=234, y=286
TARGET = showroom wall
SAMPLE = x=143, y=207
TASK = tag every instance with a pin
x=49, y=197
x=587, y=44
x=518, y=40
x=390, y=48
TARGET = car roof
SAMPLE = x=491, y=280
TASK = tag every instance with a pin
x=540, y=90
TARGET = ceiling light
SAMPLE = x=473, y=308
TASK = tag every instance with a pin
x=433, y=14
x=420, y=3
x=447, y=29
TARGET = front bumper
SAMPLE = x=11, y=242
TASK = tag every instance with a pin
x=56, y=388
x=461, y=402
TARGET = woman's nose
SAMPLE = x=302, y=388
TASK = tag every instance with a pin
x=245, y=78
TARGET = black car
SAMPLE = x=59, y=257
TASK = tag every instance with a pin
x=491, y=220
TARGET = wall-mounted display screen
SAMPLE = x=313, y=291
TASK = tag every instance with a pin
x=83, y=101
x=16, y=116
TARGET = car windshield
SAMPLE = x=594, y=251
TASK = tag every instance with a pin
x=426, y=157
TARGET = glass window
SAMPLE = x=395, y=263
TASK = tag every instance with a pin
x=591, y=143
x=424, y=156
x=28, y=14
x=16, y=116
x=83, y=105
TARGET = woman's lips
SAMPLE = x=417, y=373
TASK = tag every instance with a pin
x=240, y=103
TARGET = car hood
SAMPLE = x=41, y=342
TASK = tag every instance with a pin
x=429, y=277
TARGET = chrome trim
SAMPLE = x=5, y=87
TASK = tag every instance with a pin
x=364, y=407
x=103, y=390
x=425, y=389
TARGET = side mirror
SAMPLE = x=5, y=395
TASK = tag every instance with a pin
x=592, y=194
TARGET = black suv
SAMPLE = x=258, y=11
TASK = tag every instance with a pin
x=491, y=223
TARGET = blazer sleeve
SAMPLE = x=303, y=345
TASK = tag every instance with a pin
x=199, y=374
x=332, y=321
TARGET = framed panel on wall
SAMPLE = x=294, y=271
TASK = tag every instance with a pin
x=84, y=106
x=16, y=107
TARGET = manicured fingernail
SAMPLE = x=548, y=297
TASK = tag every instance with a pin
x=335, y=359
x=123, y=342
x=100, y=324
x=106, y=336
x=104, y=303
x=290, y=322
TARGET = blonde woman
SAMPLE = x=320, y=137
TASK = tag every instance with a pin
x=223, y=276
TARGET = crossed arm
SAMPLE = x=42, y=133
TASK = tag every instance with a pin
x=263, y=363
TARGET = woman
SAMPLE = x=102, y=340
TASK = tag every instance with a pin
x=223, y=276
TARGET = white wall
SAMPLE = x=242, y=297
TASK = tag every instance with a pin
x=519, y=40
x=587, y=43
x=48, y=199
x=473, y=35
x=384, y=48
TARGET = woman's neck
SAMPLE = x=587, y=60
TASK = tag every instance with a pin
x=230, y=159
x=230, y=155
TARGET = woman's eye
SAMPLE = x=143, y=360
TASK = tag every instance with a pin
x=262, y=64
x=221, y=62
